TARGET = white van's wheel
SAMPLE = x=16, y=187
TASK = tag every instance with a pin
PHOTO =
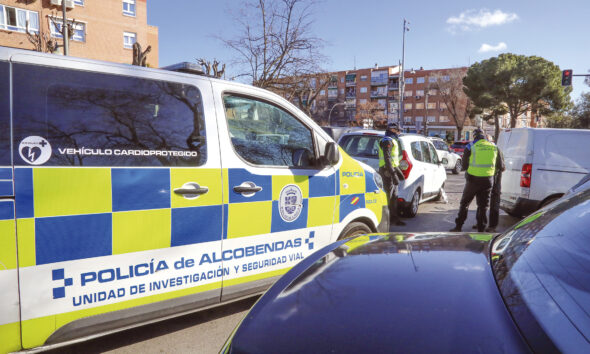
x=354, y=229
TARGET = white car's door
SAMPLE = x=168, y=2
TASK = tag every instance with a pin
x=439, y=172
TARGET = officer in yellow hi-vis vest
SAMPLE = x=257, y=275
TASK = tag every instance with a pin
x=389, y=169
x=480, y=159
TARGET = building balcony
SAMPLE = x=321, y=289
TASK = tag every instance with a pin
x=392, y=87
x=350, y=96
x=332, y=98
x=350, y=83
x=378, y=94
x=378, y=82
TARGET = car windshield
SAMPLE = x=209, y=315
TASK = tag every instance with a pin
x=542, y=268
x=361, y=145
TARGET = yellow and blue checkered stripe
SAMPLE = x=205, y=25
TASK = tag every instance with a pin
x=6, y=181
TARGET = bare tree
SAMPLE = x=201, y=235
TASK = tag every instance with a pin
x=371, y=112
x=208, y=67
x=275, y=41
x=41, y=40
x=450, y=89
x=139, y=56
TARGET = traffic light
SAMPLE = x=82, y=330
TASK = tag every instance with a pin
x=566, y=77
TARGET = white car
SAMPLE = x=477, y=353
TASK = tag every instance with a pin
x=419, y=161
x=450, y=159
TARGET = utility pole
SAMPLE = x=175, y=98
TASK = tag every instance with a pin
x=426, y=111
x=400, y=116
x=65, y=29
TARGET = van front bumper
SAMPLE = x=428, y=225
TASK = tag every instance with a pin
x=521, y=207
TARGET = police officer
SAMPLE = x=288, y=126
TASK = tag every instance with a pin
x=389, y=169
x=495, y=196
x=480, y=160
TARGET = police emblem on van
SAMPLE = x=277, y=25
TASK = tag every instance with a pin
x=34, y=150
x=290, y=202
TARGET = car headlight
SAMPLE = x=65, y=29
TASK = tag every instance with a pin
x=378, y=180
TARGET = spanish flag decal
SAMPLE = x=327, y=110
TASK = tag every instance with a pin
x=355, y=200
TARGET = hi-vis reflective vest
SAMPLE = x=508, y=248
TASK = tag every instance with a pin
x=483, y=159
x=394, y=153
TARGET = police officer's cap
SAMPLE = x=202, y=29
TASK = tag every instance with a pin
x=478, y=133
x=392, y=126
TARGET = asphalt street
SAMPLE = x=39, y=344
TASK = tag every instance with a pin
x=206, y=331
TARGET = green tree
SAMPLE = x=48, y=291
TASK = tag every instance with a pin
x=581, y=112
x=521, y=83
x=559, y=120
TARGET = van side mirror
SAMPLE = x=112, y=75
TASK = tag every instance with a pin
x=331, y=154
x=444, y=161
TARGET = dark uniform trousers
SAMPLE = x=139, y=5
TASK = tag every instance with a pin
x=478, y=188
x=390, y=186
x=495, y=200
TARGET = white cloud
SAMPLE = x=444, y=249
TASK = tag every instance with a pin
x=471, y=19
x=492, y=48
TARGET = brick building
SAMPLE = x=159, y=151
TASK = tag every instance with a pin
x=104, y=29
x=351, y=94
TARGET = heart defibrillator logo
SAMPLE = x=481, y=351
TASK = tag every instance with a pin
x=34, y=150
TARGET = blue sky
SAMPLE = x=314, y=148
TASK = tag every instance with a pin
x=450, y=35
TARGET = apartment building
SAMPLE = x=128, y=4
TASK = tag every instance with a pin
x=371, y=97
x=104, y=29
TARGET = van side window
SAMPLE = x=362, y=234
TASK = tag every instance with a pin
x=263, y=134
x=4, y=115
x=96, y=119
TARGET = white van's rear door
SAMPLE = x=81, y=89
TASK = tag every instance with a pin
x=517, y=149
x=9, y=301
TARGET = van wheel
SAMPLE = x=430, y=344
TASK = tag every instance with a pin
x=354, y=229
x=457, y=168
x=412, y=209
x=439, y=195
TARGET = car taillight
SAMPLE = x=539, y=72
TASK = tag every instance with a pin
x=405, y=165
x=525, y=175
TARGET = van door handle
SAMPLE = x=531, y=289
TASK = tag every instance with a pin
x=191, y=190
x=247, y=189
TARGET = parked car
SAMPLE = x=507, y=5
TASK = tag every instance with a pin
x=450, y=159
x=522, y=291
x=541, y=165
x=424, y=172
x=336, y=132
x=459, y=146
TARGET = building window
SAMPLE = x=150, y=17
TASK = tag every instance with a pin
x=408, y=119
x=408, y=93
x=432, y=79
x=433, y=92
x=15, y=19
x=442, y=105
x=129, y=7
x=129, y=39
x=342, y=80
x=79, y=29
x=443, y=118
x=362, y=101
x=420, y=93
x=409, y=80
x=79, y=2
x=363, y=89
x=419, y=105
x=407, y=106
x=431, y=119
x=419, y=118
x=431, y=105
x=323, y=92
x=420, y=80
x=446, y=78
x=363, y=77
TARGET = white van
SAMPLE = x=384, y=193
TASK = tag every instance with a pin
x=131, y=194
x=541, y=165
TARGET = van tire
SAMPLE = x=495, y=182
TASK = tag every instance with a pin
x=354, y=229
x=412, y=209
x=457, y=167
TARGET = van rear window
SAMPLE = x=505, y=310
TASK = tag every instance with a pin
x=96, y=119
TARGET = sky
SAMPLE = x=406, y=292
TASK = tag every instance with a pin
x=442, y=34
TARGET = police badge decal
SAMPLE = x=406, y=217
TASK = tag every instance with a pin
x=290, y=203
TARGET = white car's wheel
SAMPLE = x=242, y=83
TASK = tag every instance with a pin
x=457, y=167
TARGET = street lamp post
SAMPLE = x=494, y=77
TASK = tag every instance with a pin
x=65, y=29
x=400, y=115
x=426, y=111
x=331, y=109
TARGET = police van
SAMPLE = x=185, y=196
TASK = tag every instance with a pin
x=131, y=194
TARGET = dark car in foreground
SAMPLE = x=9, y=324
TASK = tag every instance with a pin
x=525, y=290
